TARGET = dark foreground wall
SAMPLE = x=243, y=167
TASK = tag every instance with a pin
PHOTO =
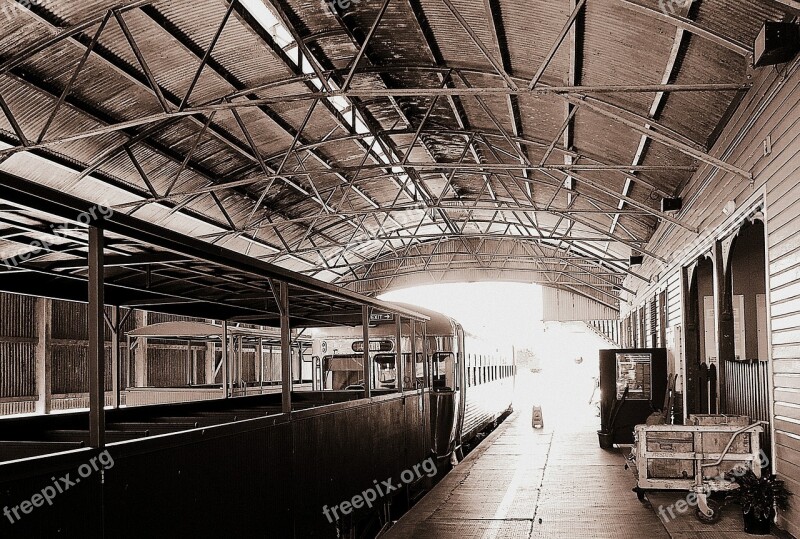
x=266, y=477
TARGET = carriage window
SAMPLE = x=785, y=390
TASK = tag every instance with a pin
x=439, y=367
x=418, y=367
x=387, y=370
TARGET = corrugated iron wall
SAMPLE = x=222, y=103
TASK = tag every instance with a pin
x=562, y=306
x=166, y=367
x=70, y=370
x=17, y=316
x=158, y=318
x=68, y=347
x=747, y=392
x=17, y=346
x=18, y=366
x=70, y=321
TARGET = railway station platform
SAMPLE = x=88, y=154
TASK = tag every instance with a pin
x=551, y=483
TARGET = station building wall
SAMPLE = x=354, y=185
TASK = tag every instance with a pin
x=762, y=136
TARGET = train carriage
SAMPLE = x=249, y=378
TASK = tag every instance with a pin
x=470, y=388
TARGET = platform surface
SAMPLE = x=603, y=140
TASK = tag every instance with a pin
x=530, y=483
x=549, y=483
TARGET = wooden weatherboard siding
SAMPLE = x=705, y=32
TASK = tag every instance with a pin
x=783, y=259
x=771, y=108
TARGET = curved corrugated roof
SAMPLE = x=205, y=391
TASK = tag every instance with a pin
x=361, y=142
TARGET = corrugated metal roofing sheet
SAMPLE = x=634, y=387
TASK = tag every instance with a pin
x=419, y=44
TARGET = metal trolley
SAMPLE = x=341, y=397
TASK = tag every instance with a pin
x=696, y=457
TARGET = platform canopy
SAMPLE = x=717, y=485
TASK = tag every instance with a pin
x=367, y=142
x=47, y=248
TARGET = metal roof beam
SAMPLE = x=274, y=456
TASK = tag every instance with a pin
x=61, y=34
x=667, y=141
x=573, y=93
x=497, y=30
x=690, y=26
x=214, y=66
x=669, y=72
x=74, y=34
x=554, y=48
x=498, y=67
x=518, y=257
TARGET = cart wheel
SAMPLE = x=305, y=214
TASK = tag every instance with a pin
x=716, y=512
x=640, y=495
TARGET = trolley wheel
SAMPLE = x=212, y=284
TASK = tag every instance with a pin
x=640, y=496
x=716, y=512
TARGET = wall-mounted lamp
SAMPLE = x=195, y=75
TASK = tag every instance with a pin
x=777, y=43
x=729, y=207
x=671, y=204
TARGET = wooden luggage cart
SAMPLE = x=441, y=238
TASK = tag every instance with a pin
x=695, y=457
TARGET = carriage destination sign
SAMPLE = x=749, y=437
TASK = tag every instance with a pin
x=374, y=346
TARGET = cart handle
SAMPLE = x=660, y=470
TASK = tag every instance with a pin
x=730, y=442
